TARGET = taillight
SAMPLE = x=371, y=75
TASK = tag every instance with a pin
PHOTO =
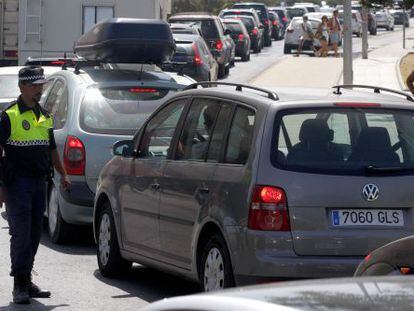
x=219, y=45
x=269, y=210
x=197, y=58
x=274, y=23
x=241, y=37
x=255, y=31
x=357, y=105
x=284, y=18
x=266, y=22
x=142, y=90
x=74, y=156
x=57, y=63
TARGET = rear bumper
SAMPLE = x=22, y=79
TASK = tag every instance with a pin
x=382, y=24
x=76, y=205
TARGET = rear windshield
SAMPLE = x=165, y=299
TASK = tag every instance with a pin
x=355, y=141
x=247, y=21
x=208, y=27
x=9, y=86
x=294, y=12
x=261, y=9
x=233, y=27
x=118, y=110
x=281, y=13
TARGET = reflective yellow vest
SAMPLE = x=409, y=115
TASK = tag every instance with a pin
x=26, y=130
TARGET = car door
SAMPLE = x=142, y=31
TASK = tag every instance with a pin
x=139, y=194
x=187, y=182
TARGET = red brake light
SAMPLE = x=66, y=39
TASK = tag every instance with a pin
x=57, y=63
x=268, y=210
x=241, y=37
x=368, y=257
x=74, y=156
x=255, y=31
x=275, y=23
x=266, y=22
x=197, y=58
x=357, y=105
x=405, y=270
x=284, y=18
x=219, y=45
x=142, y=90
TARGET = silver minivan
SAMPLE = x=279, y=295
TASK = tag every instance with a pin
x=93, y=107
x=234, y=185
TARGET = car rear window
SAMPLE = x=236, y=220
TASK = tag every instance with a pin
x=281, y=13
x=9, y=86
x=208, y=27
x=355, y=141
x=294, y=12
x=247, y=21
x=118, y=110
x=234, y=27
x=261, y=9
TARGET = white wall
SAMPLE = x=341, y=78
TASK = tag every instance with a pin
x=62, y=22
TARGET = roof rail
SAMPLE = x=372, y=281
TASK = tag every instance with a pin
x=377, y=89
x=239, y=87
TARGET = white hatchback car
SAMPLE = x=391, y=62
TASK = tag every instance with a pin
x=384, y=20
x=294, y=31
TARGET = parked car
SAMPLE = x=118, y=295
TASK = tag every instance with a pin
x=276, y=25
x=283, y=17
x=372, y=23
x=192, y=58
x=214, y=34
x=253, y=26
x=412, y=11
x=240, y=36
x=296, y=12
x=401, y=18
x=185, y=29
x=9, y=88
x=384, y=20
x=263, y=12
x=356, y=22
x=228, y=187
x=395, y=258
x=293, y=33
x=357, y=294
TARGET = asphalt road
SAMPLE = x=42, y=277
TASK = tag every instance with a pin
x=71, y=271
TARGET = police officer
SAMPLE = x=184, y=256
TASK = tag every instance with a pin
x=26, y=136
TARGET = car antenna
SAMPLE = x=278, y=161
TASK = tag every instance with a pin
x=140, y=73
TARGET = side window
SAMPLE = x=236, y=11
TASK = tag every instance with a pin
x=45, y=92
x=241, y=133
x=338, y=123
x=218, y=137
x=159, y=132
x=57, y=104
x=198, y=126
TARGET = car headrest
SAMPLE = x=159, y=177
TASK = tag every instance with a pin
x=374, y=138
x=315, y=130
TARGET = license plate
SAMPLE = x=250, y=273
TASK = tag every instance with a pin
x=365, y=217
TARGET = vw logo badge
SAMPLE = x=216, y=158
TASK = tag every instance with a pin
x=370, y=192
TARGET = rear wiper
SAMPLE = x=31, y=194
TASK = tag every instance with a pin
x=378, y=170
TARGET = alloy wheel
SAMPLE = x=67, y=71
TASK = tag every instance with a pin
x=104, y=239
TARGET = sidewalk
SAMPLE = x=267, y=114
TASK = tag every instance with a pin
x=380, y=69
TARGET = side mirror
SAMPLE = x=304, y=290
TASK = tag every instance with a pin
x=124, y=148
x=227, y=32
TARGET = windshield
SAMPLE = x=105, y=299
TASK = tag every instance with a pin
x=9, y=86
x=118, y=110
x=295, y=12
x=348, y=141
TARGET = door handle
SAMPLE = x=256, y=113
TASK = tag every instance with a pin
x=155, y=186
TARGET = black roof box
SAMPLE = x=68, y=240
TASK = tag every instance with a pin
x=127, y=40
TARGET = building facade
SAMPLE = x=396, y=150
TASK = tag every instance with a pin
x=49, y=28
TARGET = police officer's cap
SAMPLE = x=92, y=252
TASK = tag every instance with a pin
x=32, y=74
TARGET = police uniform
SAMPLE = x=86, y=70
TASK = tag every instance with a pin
x=26, y=135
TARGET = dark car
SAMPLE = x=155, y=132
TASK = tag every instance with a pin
x=401, y=18
x=214, y=34
x=252, y=23
x=261, y=8
x=276, y=26
x=192, y=58
x=283, y=18
x=240, y=37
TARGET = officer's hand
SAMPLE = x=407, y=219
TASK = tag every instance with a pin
x=65, y=182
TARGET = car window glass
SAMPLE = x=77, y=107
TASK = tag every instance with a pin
x=159, y=132
x=57, y=104
x=197, y=130
x=218, y=137
x=338, y=123
x=240, y=138
x=45, y=92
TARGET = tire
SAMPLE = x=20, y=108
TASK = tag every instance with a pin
x=246, y=56
x=221, y=71
x=110, y=262
x=392, y=28
x=287, y=50
x=387, y=28
x=215, y=269
x=227, y=70
x=59, y=230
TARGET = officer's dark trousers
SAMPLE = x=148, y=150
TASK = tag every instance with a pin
x=25, y=205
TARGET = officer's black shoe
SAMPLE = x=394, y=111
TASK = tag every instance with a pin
x=21, y=290
x=36, y=292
